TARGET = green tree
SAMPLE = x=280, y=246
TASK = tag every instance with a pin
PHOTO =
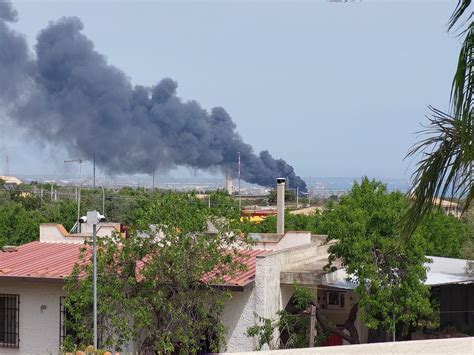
x=444, y=235
x=158, y=287
x=468, y=247
x=389, y=272
x=290, y=196
x=17, y=224
x=445, y=167
x=62, y=212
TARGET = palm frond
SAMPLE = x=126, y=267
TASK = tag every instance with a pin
x=447, y=153
x=445, y=167
x=459, y=11
x=463, y=81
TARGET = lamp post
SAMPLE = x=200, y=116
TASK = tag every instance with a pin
x=93, y=217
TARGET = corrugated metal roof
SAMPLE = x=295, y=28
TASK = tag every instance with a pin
x=441, y=271
x=56, y=260
x=40, y=260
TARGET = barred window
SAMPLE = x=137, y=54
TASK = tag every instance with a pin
x=9, y=321
x=64, y=318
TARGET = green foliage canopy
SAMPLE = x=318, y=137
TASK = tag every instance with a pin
x=150, y=285
x=389, y=272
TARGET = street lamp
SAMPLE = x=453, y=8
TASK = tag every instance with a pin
x=94, y=217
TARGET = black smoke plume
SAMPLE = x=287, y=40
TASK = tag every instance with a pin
x=68, y=94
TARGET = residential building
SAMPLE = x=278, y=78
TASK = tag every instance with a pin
x=32, y=277
x=10, y=181
x=32, y=280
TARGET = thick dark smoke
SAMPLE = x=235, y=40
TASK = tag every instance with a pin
x=68, y=94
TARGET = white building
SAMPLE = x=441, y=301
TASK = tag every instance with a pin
x=32, y=280
x=31, y=289
x=10, y=181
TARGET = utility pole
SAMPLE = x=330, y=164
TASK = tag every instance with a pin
x=238, y=166
x=94, y=253
x=94, y=174
x=78, y=210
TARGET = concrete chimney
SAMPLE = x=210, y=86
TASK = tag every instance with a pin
x=280, y=205
x=228, y=182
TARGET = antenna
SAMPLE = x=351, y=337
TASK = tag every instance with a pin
x=94, y=172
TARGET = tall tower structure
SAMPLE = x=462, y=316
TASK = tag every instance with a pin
x=228, y=182
x=6, y=170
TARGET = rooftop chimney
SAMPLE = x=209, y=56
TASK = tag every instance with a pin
x=228, y=182
x=280, y=205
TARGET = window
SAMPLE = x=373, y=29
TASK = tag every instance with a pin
x=335, y=300
x=64, y=318
x=9, y=321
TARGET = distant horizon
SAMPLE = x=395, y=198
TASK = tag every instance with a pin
x=197, y=176
x=338, y=89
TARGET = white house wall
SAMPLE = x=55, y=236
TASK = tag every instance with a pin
x=39, y=329
x=238, y=316
x=270, y=297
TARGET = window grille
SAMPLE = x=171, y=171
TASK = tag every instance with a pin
x=62, y=320
x=64, y=317
x=9, y=321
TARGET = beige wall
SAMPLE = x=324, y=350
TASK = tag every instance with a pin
x=237, y=317
x=55, y=233
x=39, y=329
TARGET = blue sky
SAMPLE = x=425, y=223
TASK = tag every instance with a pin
x=335, y=89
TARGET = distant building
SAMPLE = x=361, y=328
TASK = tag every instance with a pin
x=10, y=181
x=449, y=207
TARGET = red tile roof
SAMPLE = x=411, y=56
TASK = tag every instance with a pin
x=37, y=260
x=245, y=277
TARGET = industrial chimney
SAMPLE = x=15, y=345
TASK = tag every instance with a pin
x=228, y=182
x=280, y=205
